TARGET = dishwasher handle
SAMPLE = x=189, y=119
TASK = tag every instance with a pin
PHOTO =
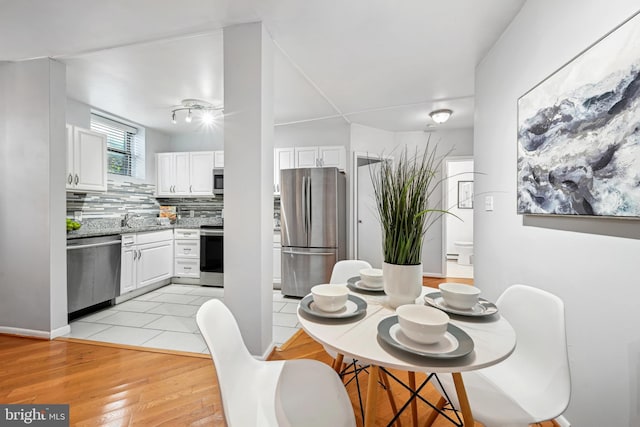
x=93, y=245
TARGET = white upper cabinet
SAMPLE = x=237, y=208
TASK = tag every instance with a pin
x=218, y=159
x=201, y=166
x=283, y=159
x=321, y=157
x=184, y=174
x=86, y=160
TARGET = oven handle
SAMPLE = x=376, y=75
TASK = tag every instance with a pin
x=93, y=245
x=211, y=233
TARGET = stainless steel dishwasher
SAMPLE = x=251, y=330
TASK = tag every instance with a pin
x=93, y=271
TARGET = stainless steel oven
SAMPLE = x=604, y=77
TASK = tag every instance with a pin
x=212, y=255
x=218, y=181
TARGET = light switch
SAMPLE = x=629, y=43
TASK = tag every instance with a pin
x=488, y=203
x=77, y=216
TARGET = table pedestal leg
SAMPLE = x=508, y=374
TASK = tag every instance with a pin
x=372, y=387
x=414, y=402
x=467, y=416
x=337, y=364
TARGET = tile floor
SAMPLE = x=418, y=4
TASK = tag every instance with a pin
x=165, y=318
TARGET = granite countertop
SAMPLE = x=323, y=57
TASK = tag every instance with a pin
x=110, y=228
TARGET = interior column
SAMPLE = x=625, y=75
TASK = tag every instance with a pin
x=248, y=198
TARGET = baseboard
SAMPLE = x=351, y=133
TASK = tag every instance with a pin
x=49, y=335
x=562, y=421
x=429, y=274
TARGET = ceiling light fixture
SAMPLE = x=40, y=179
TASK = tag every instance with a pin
x=440, y=116
x=195, y=108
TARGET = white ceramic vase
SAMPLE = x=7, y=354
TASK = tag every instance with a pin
x=402, y=283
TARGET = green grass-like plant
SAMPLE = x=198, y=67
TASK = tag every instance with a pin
x=403, y=190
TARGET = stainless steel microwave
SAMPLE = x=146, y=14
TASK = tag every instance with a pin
x=218, y=181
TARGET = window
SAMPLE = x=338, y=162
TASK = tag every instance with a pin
x=125, y=146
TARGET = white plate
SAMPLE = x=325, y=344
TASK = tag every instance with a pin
x=455, y=343
x=354, y=306
x=356, y=285
x=482, y=307
x=360, y=284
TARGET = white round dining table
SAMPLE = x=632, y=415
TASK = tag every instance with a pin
x=493, y=337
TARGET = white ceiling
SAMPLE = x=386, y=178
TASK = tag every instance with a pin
x=380, y=63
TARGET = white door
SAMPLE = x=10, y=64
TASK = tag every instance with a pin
x=306, y=157
x=181, y=184
x=201, y=173
x=155, y=262
x=90, y=160
x=369, y=230
x=165, y=174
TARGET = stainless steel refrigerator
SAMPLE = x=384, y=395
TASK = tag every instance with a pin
x=313, y=223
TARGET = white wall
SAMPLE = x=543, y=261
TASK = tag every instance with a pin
x=376, y=141
x=206, y=140
x=33, y=292
x=586, y=262
x=315, y=133
x=79, y=114
x=460, y=228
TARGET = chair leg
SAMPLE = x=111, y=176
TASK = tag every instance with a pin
x=414, y=402
x=392, y=400
x=434, y=414
x=337, y=364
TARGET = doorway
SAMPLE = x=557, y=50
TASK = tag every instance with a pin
x=367, y=234
x=459, y=200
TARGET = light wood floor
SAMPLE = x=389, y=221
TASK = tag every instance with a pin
x=112, y=385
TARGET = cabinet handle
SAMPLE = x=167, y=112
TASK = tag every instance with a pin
x=190, y=190
x=186, y=249
x=187, y=268
x=77, y=179
x=70, y=180
x=135, y=255
x=139, y=255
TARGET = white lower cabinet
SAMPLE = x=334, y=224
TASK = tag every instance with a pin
x=187, y=253
x=146, y=258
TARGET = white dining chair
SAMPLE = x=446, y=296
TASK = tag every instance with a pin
x=533, y=384
x=296, y=393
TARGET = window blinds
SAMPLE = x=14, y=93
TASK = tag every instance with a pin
x=125, y=146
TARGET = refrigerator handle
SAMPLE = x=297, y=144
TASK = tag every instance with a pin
x=309, y=205
x=291, y=252
x=304, y=206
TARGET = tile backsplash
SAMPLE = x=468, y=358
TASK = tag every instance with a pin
x=120, y=198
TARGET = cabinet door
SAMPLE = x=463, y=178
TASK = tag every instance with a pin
x=165, y=174
x=284, y=158
x=127, y=269
x=154, y=263
x=70, y=171
x=181, y=184
x=218, y=159
x=90, y=160
x=306, y=157
x=201, y=173
x=332, y=156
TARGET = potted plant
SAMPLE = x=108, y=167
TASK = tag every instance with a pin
x=403, y=191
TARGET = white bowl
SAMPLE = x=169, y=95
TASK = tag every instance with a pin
x=330, y=297
x=422, y=324
x=372, y=278
x=459, y=295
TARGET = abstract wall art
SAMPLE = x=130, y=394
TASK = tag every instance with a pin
x=579, y=133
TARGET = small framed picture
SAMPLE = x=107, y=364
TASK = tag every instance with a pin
x=465, y=194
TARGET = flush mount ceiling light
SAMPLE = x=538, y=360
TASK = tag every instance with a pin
x=440, y=116
x=196, y=108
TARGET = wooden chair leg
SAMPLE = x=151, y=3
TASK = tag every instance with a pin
x=414, y=402
x=337, y=364
x=434, y=414
x=392, y=400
